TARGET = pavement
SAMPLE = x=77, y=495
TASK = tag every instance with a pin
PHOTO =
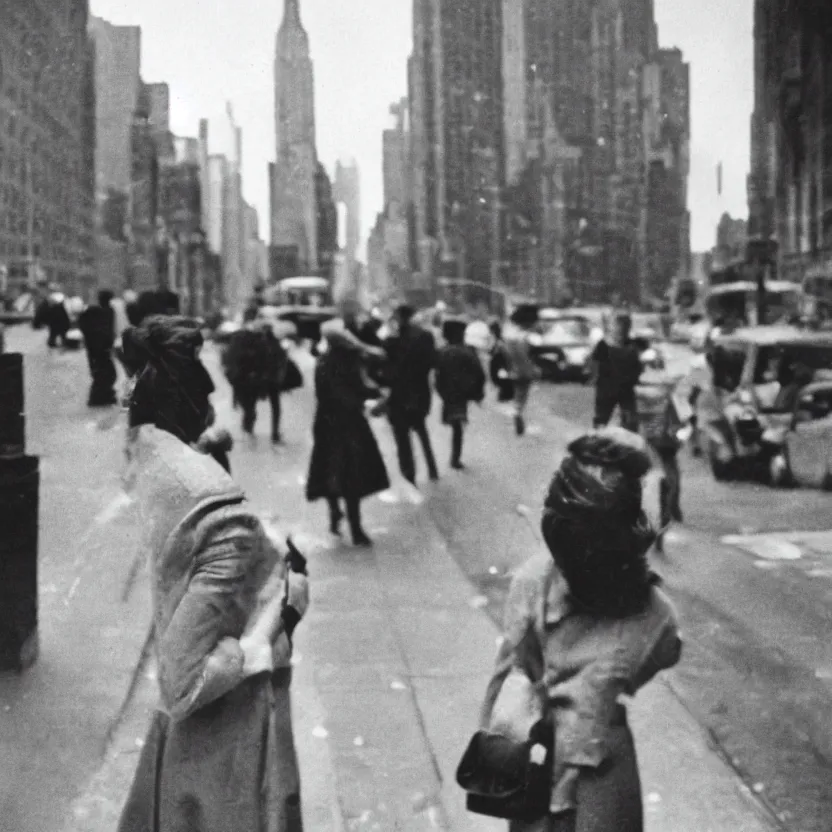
x=391, y=661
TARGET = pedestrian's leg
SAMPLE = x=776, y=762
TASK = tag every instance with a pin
x=604, y=407
x=424, y=438
x=274, y=399
x=674, y=488
x=457, y=429
x=521, y=399
x=335, y=515
x=109, y=378
x=248, y=403
x=404, y=449
x=359, y=536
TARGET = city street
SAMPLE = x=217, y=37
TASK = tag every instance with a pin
x=397, y=643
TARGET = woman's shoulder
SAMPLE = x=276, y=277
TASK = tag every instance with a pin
x=533, y=576
x=660, y=609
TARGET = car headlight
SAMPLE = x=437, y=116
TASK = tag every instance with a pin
x=650, y=355
x=536, y=340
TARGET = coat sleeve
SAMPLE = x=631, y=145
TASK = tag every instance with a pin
x=517, y=622
x=200, y=659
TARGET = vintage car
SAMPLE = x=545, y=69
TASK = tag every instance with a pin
x=561, y=346
x=306, y=302
x=805, y=457
x=755, y=374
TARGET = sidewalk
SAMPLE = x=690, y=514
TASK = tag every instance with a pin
x=390, y=667
x=56, y=718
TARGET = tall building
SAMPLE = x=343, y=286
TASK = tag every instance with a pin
x=666, y=96
x=346, y=190
x=159, y=98
x=457, y=94
x=327, y=223
x=294, y=221
x=790, y=185
x=47, y=108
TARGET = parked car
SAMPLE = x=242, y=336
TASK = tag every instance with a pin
x=561, y=346
x=805, y=457
x=744, y=412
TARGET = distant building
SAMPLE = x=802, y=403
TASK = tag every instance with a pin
x=731, y=240
x=346, y=189
x=294, y=220
x=159, y=103
x=327, y=223
x=667, y=152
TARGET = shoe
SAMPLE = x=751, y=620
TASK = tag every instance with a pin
x=434, y=476
x=457, y=465
x=335, y=523
x=519, y=425
x=277, y=439
x=676, y=514
x=360, y=538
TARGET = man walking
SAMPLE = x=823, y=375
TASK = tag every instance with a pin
x=255, y=366
x=98, y=326
x=616, y=364
x=411, y=355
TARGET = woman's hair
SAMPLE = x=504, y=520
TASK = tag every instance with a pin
x=594, y=525
x=453, y=331
x=172, y=387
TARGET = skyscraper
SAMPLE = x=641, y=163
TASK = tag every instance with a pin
x=294, y=205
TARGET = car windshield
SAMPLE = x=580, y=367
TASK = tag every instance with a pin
x=777, y=363
x=567, y=329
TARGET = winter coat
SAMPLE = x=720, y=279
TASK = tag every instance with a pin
x=411, y=357
x=459, y=379
x=581, y=666
x=517, y=350
x=255, y=360
x=211, y=760
x=346, y=461
x=98, y=326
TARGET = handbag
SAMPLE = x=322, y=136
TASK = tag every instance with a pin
x=293, y=379
x=507, y=770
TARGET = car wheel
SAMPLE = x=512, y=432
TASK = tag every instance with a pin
x=722, y=471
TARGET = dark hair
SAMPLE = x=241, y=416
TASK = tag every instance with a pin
x=105, y=297
x=405, y=313
x=172, y=387
x=453, y=331
x=594, y=525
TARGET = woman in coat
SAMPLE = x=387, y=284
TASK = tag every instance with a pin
x=217, y=756
x=346, y=463
x=587, y=624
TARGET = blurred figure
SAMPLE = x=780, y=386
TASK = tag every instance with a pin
x=98, y=326
x=616, y=368
x=411, y=356
x=498, y=365
x=459, y=380
x=521, y=368
x=131, y=307
x=346, y=465
x=255, y=366
x=53, y=315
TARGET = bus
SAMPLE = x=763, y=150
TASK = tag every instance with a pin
x=304, y=301
x=737, y=301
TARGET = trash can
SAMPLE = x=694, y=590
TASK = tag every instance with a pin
x=19, y=503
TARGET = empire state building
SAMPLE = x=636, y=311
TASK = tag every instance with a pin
x=294, y=208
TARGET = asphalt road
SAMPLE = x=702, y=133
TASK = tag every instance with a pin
x=757, y=670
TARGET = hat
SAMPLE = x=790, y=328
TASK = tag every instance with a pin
x=454, y=328
x=405, y=312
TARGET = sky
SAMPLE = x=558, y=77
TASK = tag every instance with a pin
x=215, y=51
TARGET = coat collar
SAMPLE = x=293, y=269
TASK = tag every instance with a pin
x=557, y=603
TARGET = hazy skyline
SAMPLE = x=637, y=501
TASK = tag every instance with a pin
x=213, y=51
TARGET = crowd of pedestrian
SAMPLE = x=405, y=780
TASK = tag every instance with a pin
x=585, y=623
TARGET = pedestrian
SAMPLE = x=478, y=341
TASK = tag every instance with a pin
x=459, y=380
x=616, y=368
x=131, y=307
x=522, y=369
x=98, y=326
x=587, y=624
x=664, y=414
x=346, y=465
x=255, y=365
x=225, y=603
x=498, y=364
x=411, y=357
x=52, y=314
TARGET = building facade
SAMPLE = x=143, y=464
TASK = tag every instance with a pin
x=790, y=184
x=47, y=176
x=294, y=222
x=327, y=223
x=346, y=190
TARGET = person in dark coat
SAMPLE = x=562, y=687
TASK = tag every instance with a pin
x=460, y=379
x=52, y=314
x=588, y=624
x=346, y=464
x=616, y=367
x=255, y=365
x=411, y=356
x=98, y=326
